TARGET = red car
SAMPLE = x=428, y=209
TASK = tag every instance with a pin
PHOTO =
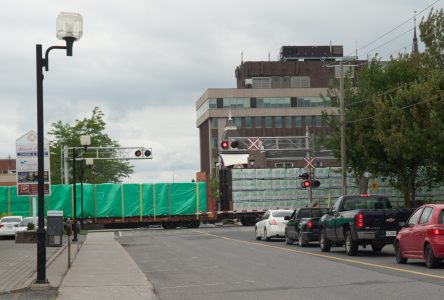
x=423, y=236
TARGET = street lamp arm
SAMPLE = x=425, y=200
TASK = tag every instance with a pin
x=46, y=59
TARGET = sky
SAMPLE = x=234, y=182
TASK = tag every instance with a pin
x=145, y=63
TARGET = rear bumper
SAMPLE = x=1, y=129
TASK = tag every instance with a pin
x=276, y=231
x=379, y=236
x=310, y=236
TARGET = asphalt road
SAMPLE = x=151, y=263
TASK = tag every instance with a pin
x=228, y=263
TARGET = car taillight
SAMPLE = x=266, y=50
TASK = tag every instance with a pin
x=438, y=230
x=273, y=222
x=310, y=224
x=360, y=221
x=1, y=225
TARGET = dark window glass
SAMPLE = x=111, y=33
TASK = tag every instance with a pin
x=298, y=122
x=308, y=121
x=318, y=121
x=220, y=103
x=214, y=123
x=287, y=122
x=294, y=102
x=253, y=102
x=441, y=217
x=268, y=122
x=258, y=122
x=248, y=122
x=278, y=122
x=281, y=214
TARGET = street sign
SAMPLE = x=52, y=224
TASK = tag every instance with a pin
x=309, y=162
x=27, y=165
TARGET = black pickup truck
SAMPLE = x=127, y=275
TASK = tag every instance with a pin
x=303, y=225
x=361, y=220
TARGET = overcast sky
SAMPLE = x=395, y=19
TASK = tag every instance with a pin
x=144, y=63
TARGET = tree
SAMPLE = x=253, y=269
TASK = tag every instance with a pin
x=432, y=35
x=102, y=171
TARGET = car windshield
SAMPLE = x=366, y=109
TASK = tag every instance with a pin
x=282, y=214
x=371, y=202
x=10, y=220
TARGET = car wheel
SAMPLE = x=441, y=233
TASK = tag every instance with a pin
x=266, y=237
x=431, y=260
x=377, y=248
x=351, y=246
x=301, y=241
x=398, y=254
x=324, y=243
x=258, y=238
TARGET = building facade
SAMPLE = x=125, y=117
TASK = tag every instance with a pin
x=284, y=98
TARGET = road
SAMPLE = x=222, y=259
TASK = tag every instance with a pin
x=228, y=263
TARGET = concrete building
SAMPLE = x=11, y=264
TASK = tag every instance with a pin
x=282, y=98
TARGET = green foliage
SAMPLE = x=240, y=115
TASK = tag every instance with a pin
x=31, y=226
x=103, y=171
x=395, y=117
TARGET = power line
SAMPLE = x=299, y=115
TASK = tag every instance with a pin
x=395, y=110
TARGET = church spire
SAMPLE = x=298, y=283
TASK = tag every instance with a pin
x=415, y=40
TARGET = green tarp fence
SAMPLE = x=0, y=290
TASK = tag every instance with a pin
x=113, y=200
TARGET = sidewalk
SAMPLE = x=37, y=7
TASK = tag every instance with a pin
x=103, y=270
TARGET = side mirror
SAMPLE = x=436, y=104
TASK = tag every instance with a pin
x=402, y=224
x=287, y=218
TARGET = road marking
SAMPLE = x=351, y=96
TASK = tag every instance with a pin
x=327, y=256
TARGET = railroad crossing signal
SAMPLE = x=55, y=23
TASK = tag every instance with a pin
x=309, y=162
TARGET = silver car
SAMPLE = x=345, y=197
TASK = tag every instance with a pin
x=272, y=224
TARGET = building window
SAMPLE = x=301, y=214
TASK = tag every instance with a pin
x=248, y=122
x=238, y=122
x=258, y=121
x=318, y=121
x=300, y=81
x=288, y=122
x=214, y=123
x=298, y=122
x=278, y=122
x=215, y=142
x=268, y=122
x=261, y=82
x=273, y=102
x=236, y=102
x=308, y=121
x=283, y=165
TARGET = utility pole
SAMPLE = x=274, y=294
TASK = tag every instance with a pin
x=342, y=124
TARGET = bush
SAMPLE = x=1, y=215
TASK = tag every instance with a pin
x=31, y=226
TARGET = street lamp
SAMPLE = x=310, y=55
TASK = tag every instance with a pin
x=69, y=27
x=85, y=141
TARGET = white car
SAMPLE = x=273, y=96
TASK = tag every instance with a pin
x=24, y=223
x=272, y=224
x=8, y=225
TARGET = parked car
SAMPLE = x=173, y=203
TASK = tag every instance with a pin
x=272, y=224
x=422, y=237
x=361, y=220
x=303, y=225
x=8, y=225
x=23, y=225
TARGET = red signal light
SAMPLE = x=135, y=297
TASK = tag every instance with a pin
x=316, y=183
x=224, y=145
x=138, y=153
x=306, y=184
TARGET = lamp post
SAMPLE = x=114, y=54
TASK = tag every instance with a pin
x=85, y=141
x=69, y=28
